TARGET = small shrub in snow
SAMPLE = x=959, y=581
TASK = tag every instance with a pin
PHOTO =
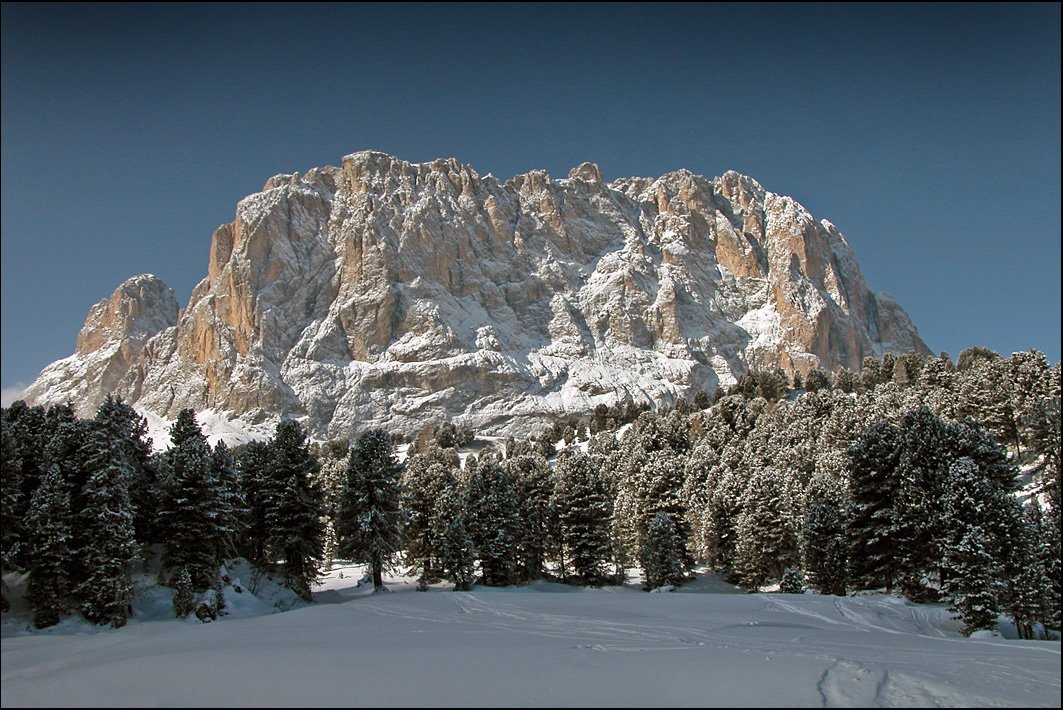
x=793, y=581
x=183, y=600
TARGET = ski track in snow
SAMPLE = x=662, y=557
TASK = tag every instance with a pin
x=493, y=647
x=474, y=610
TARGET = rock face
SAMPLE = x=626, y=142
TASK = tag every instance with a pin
x=385, y=293
x=109, y=345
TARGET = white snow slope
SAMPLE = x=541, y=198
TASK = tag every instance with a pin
x=526, y=646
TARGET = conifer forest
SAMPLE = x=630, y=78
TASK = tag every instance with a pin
x=921, y=476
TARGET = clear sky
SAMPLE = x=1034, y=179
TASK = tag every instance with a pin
x=929, y=134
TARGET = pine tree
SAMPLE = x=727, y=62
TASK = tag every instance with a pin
x=873, y=483
x=980, y=522
x=825, y=549
x=817, y=380
x=184, y=598
x=661, y=555
x=921, y=476
x=11, y=531
x=189, y=514
x=49, y=523
x=972, y=583
x=846, y=381
x=369, y=519
x=333, y=458
x=936, y=386
x=493, y=520
x=583, y=511
x=185, y=427
x=986, y=394
x=295, y=509
x=767, y=530
x=426, y=475
x=26, y=427
x=136, y=446
x=1027, y=588
x=793, y=581
x=534, y=484
x=1050, y=559
x=698, y=484
x=651, y=481
x=259, y=496
x=109, y=553
x=457, y=554
x=1041, y=430
x=231, y=508
x=719, y=520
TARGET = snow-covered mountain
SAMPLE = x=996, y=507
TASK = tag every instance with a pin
x=387, y=293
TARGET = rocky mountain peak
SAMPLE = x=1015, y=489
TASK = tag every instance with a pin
x=397, y=294
x=137, y=310
x=111, y=341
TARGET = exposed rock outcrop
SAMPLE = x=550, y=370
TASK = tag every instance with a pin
x=385, y=293
x=109, y=344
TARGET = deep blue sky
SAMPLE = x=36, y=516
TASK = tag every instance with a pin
x=930, y=134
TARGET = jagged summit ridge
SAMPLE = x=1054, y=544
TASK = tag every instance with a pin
x=386, y=293
x=109, y=343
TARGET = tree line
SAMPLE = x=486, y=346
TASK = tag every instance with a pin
x=904, y=477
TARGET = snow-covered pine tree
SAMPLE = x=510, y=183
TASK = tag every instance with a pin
x=870, y=374
x=846, y=381
x=253, y=465
x=190, y=505
x=793, y=581
x=294, y=518
x=936, y=386
x=699, y=482
x=1027, y=587
x=184, y=427
x=986, y=394
x=824, y=545
x=231, y=510
x=886, y=366
x=11, y=531
x=817, y=380
x=66, y=450
x=651, y=481
x=49, y=523
x=369, y=520
x=583, y=510
x=975, y=530
x=973, y=580
x=1041, y=431
x=721, y=518
x=661, y=555
x=534, y=482
x=426, y=475
x=628, y=512
x=26, y=426
x=333, y=457
x=1051, y=559
x=1030, y=375
x=184, y=597
x=767, y=529
x=493, y=520
x=928, y=448
x=110, y=550
x=457, y=554
x=872, y=486
x=144, y=485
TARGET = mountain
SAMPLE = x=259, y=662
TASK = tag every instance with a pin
x=393, y=294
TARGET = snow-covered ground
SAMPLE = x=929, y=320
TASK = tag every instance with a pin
x=543, y=645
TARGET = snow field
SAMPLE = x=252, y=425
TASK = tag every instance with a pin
x=543, y=644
